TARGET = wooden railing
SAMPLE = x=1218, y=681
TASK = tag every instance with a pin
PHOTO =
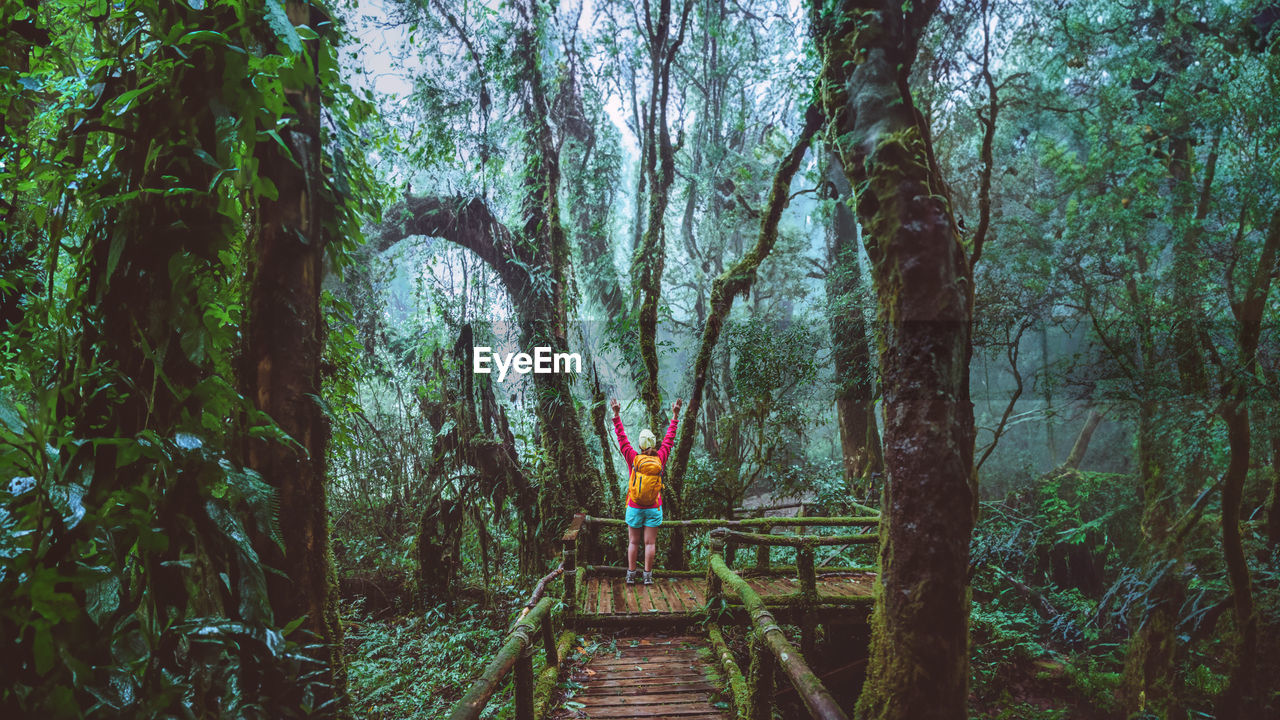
x=761, y=536
x=532, y=695
x=771, y=653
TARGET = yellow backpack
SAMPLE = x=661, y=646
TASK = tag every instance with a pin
x=646, y=480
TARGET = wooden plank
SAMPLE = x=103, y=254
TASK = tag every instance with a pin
x=718, y=715
x=835, y=588
x=623, y=651
x=676, y=588
x=692, y=598
x=785, y=586
x=645, y=679
x=641, y=664
x=632, y=676
x=606, y=597
x=660, y=599
x=668, y=667
x=645, y=644
x=602, y=587
x=643, y=601
x=849, y=588
x=666, y=698
x=653, y=710
x=657, y=653
x=698, y=591
x=673, y=596
x=648, y=602
x=647, y=685
x=619, y=602
x=621, y=687
x=708, y=715
x=632, y=602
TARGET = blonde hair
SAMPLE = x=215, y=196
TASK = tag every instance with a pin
x=646, y=439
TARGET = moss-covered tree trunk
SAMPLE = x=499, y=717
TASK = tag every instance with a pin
x=851, y=353
x=284, y=343
x=663, y=37
x=534, y=265
x=1273, y=512
x=918, y=666
x=1240, y=699
x=1150, y=657
x=574, y=485
x=591, y=175
x=1152, y=651
x=732, y=283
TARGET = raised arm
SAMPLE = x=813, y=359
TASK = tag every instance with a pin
x=628, y=453
x=670, y=440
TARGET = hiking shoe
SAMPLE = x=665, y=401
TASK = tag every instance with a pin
x=648, y=578
x=631, y=577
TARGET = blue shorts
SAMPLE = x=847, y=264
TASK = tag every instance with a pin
x=644, y=517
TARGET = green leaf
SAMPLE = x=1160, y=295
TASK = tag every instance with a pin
x=9, y=416
x=43, y=650
x=113, y=254
x=102, y=598
x=278, y=20
x=293, y=625
x=207, y=158
x=202, y=36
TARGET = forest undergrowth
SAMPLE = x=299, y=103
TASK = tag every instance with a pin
x=1053, y=584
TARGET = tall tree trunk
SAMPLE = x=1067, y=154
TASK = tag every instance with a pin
x=1240, y=699
x=854, y=373
x=1150, y=658
x=590, y=188
x=736, y=281
x=918, y=667
x=540, y=247
x=1273, y=513
x=606, y=443
x=284, y=343
x=659, y=168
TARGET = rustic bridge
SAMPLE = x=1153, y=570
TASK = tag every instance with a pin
x=680, y=666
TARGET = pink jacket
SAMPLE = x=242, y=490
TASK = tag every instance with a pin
x=629, y=453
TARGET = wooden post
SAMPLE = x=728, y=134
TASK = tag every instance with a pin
x=677, y=540
x=714, y=589
x=808, y=633
x=569, y=549
x=789, y=662
x=549, y=641
x=524, y=685
x=513, y=654
x=760, y=683
x=762, y=550
x=808, y=578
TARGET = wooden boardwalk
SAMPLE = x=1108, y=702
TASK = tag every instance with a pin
x=607, y=595
x=651, y=677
